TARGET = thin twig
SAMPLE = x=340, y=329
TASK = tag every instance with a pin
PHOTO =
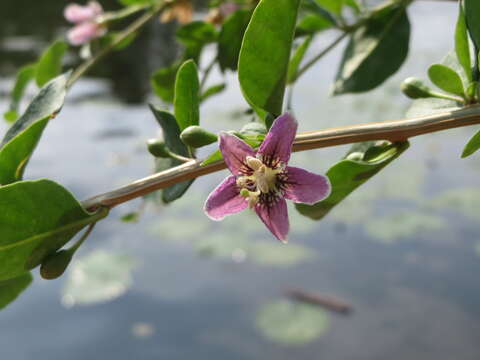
x=207, y=72
x=393, y=131
x=325, y=51
x=133, y=27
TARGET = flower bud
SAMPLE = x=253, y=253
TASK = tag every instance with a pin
x=55, y=265
x=157, y=148
x=415, y=89
x=196, y=137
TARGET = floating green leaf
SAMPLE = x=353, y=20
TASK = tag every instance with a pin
x=385, y=36
x=291, y=323
x=36, y=219
x=187, y=102
x=12, y=288
x=230, y=39
x=171, y=134
x=363, y=162
x=297, y=59
x=49, y=65
x=163, y=83
x=406, y=224
x=22, y=137
x=101, y=276
x=472, y=146
x=462, y=46
x=265, y=54
x=24, y=76
x=446, y=79
x=472, y=15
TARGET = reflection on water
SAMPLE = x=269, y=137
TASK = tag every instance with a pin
x=403, y=249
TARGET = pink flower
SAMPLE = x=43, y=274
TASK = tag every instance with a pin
x=262, y=180
x=86, y=27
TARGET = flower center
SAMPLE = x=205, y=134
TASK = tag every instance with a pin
x=263, y=180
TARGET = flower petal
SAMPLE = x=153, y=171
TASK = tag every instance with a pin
x=234, y=152
x=83, y=33
x=225, y=200
x=77, y=14
x=279, y=140
x=306, y=187
x=275, y=218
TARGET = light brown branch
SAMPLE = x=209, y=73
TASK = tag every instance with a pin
x=390, y=130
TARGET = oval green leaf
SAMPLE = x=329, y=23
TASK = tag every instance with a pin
x=187, y=101
x=36, y=219
x=462, y=47
x=446, y=79
x=171, y=136
x=22, y=137
x=472, y=146
x=472, y=15
x=265, y=54
x=363, y=162
x=364, y=65
x=12, y=288
x=50, y=63
x=230, y=39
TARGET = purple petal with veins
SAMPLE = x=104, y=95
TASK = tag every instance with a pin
x=234, y=152
x=225, y=200
x=306, y=187
x=279, y=140
x=275, y=218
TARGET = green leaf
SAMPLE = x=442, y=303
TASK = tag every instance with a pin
x=462, y=47
x=472, y=146
x=230, y=39
x=171, y=134
x=297, y=59
x=101, y=276
x=472, y=15
x=375, y=52
x=187, y=102
x=135, y=2
x=334, y=6
x=22, y=137
x=362, y=163
x=446, y=79
x=312, y=24
x=163, y=83
x=36, y=219
x=265, y=54
x=24, y=76
x=50, y=63
x=292, y=324
x=194, y=36
x=12, y=288
x=211, y=91
x=197, y=32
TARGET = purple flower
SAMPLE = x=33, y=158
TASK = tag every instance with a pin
x=262, y=180
x=86, y=27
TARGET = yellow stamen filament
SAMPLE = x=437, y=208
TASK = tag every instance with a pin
x=264, y=178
